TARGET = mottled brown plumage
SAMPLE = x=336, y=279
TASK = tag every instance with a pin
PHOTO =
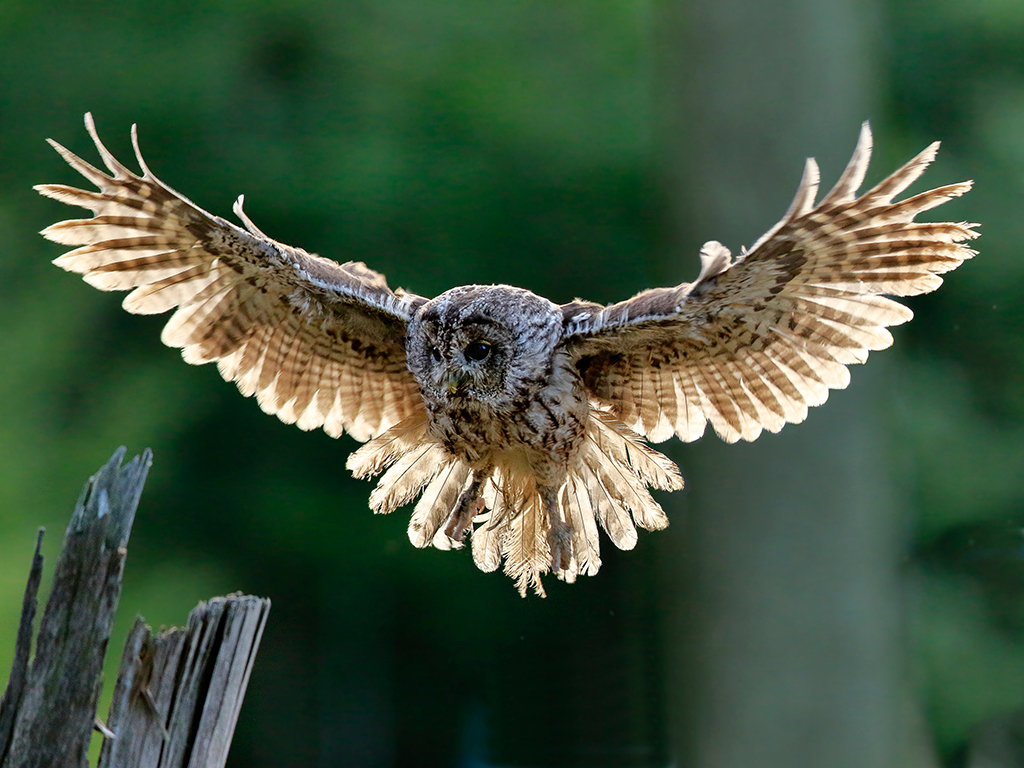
x=512, y=418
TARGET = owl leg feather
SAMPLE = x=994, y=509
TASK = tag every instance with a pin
x=559, y=531
x=469, y=504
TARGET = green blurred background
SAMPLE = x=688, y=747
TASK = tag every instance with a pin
x=846, y=593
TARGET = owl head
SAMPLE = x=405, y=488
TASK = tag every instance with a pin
x=487, y=343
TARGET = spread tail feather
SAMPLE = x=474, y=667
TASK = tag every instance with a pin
x=607, y=485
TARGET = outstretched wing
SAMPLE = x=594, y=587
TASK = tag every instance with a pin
x=752, y=343
x=320, y=344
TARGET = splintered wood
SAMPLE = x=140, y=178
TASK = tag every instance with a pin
x=178, y=693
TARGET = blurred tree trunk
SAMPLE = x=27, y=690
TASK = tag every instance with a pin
x=783, y=635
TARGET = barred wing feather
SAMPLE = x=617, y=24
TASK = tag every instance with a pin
x=752, y=343
x=318, y=343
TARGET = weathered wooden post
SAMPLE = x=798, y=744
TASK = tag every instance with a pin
x=177, y=695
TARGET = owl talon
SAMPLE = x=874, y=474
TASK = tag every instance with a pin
x=469, y=506
x=560, y=542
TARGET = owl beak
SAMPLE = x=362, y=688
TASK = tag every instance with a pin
x=457, y=381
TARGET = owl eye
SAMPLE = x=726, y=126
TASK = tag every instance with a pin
x=436, y=354
x=478, y=350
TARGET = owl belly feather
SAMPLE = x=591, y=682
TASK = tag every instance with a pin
x=540, y=430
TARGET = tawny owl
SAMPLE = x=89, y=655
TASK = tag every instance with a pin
x=514, y=419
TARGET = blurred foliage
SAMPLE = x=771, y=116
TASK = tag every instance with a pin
x=956, y=72
x=444, y=143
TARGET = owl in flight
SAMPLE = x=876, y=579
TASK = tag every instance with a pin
x=515, y=420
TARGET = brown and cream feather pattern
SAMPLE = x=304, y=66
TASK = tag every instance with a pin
x=751, y=344
x=503, y=416
x=318, y=343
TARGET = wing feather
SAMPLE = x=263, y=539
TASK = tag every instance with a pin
x=753, y=342
x=319, y=343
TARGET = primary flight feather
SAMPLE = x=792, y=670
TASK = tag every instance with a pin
x=511, y=418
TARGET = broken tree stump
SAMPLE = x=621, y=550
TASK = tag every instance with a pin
x=177, y=695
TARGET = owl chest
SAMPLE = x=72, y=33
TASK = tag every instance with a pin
x=546, y=424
